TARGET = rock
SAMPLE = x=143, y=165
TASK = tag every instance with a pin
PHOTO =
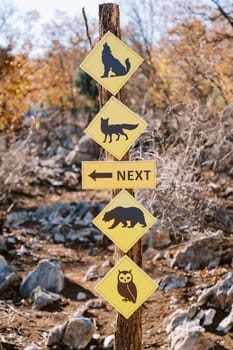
x=81, y=296
x=172, y=282
x=92, y=274
x=8, y=278
x=107, y=263
x=186, y=334
x=3, y=247
x=209, y=317
x=87, y=149
x=108, y=341
x=95, y=304
x=23, y=250
x=208, y=251
x=190, y=338
x=159, y=256
x=75, y=333
x=173, y=301
x=60, y=223
x=156, y=238
x=176, y=319
x=149, y=253
x=59, y=238
x=71, y=179
x=218, y=217
x=48, y=275
x=220, y=296
x=78, y=332
x=33, y=347
x=42, y=298
x=55, y=335
x=81, y=311
x=226, y=324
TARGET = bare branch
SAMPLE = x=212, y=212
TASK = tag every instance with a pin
x=226, y=15
x=87, y=28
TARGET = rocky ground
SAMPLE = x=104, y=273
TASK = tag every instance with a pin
x=29, y=239
x=51, y=257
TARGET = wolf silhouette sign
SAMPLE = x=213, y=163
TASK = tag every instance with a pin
x=112, y=64
x=118, y=129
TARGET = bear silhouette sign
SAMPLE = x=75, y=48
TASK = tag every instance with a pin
x=111, y=63
x=124, y=220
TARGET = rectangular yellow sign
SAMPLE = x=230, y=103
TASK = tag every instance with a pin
x=126, y=174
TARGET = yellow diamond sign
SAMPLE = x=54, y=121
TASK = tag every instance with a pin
x=124, y=220
x=111, y=63
x=126, y=287
x=115, y=128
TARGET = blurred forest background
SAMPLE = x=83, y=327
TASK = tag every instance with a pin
x=184, y=88
x=187, y=50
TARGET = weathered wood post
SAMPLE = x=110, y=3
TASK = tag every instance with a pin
x=128, y=332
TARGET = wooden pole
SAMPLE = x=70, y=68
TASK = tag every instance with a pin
x=128, y=332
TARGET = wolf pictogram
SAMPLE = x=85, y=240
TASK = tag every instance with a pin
x=117, y=129
x=112, y=64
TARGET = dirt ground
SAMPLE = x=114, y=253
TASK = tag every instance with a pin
x=20, y=325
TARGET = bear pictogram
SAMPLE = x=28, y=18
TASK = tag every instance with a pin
x=121, y=215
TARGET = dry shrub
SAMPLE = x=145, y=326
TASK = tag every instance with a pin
x=192, y=149
x=15, y=164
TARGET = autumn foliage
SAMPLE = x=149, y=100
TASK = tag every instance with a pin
x=191, y=61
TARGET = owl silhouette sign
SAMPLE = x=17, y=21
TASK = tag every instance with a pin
x=111, y=63
x=126, y=287
x=124, y=220
x=115, y=128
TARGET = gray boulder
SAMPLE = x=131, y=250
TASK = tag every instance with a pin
x=208, y=251
x=226, y=324
x=87, y=149
x=8, y=278
x=219, y=296
x=173, y=282
x=76, y=333
x=48, y=275
x=108, y=341
x=55, y=335
x=42, y=298
x=186, y=334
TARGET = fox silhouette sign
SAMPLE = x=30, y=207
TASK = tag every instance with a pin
x=115, y=128
x=111, y=63
x=118, y=129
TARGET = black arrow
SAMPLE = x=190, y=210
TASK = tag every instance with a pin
x=94, y=175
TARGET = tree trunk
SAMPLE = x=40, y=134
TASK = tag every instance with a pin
x=128, y=332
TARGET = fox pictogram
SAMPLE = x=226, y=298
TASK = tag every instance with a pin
x=118, y=129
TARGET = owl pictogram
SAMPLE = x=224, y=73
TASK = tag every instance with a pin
x=126, y=287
